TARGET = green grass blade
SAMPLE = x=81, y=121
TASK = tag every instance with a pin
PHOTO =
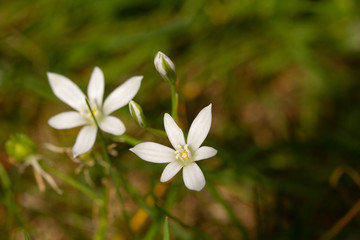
x=166, y=229
x=26, y=235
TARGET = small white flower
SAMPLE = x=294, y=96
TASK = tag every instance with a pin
x=70, y=93
x=165, y=66
x=185, y=154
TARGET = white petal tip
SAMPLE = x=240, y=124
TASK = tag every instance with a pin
x=75, y=154
x=197, y=188
x=164, y=180
x=166, y=115
x=139, y=78
x=50, y=74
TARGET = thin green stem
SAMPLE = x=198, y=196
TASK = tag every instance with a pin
x=107, y=159
x=166, y=229
x=5, y=181
x=103, y=223
x=157, y=132
x=26, y=236
x=102, y=139
x=9, y=199
x=79, y=186
x=174, y=101
x=130, y=140
x=178, y=221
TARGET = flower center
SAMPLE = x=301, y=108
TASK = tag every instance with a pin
x=183, y=154
x=95, y=111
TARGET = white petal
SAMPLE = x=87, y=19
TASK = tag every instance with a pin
x=174, y=133
x=112, y=125
x=85, y=140
x=67, y=91
x=193, y=177
x=96, y=86
x=199, y=128
x=204, y=153
x=67, y=120
x=171, y=170
x=122, y=95
x=154, y=152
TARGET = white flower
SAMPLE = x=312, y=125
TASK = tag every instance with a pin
x=70, y=93
x=185, y=154
x=165, y=66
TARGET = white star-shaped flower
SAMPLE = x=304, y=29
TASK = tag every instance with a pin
x=70, y=93
x=185, y=154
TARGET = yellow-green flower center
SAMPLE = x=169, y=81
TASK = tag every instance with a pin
x=95, y=111
x=183, y=154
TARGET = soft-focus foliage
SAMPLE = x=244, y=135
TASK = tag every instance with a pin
x=283, y=78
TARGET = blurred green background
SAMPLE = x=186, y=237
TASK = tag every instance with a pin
x=283, y=78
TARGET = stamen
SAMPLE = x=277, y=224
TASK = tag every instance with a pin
x=93, y=113
x=183, y=154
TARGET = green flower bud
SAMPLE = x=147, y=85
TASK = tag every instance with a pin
x=137, y=113
x=165, y=67
x=19, y=146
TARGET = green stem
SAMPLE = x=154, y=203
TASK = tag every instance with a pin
x=166, y=229
x=9, y=199
x=79, y=186
x=200, y=234
x=174, y=101
x=26, y=236
x=130, y=140
x=107, y=159
x=103, y=223
x=157, y=132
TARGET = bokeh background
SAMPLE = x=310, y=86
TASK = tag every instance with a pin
x=283, y=78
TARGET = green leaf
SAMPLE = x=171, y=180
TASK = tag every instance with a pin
x=166, y=229
x=26, y=235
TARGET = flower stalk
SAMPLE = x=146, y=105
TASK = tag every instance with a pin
x=130, y=140
x=174, y=101
x=107, y=159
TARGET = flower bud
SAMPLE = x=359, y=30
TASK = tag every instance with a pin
x=19, y=146
x=165, y=67
x=137, y=113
